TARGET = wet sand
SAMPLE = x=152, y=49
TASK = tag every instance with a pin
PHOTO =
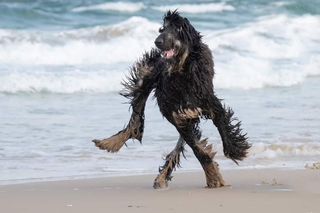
x=250, y=191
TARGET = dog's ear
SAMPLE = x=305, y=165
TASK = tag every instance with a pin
x=188, y=33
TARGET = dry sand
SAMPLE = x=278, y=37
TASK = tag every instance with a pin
x=255, y=191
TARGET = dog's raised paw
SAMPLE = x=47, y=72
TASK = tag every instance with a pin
x=113, y=143
x=96, y=141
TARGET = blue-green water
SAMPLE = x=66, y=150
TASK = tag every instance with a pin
x=62, y=61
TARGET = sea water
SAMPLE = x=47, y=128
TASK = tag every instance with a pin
x=62, y=63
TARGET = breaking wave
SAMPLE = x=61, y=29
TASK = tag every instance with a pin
x=281, y=149
x=101, y=44
x=66, y=82
x=116, y=6
x=196, y=8
x=270, y=51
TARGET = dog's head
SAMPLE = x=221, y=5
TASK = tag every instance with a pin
x=177, y=37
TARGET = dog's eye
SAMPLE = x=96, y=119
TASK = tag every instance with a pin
x=161, y=29
x=177, y=29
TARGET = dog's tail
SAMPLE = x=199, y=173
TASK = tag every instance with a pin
x=235, y=143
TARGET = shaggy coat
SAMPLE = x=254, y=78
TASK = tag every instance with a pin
x=180, y=71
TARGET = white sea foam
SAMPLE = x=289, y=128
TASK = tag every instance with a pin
x=282, y=3
x=270, y=51
x=261, y=150
x=282, y=149
x=124, y=41
x=69, y=82
x=116, y=6
x=196, y=8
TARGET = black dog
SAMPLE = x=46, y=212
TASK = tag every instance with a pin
x=181, y=72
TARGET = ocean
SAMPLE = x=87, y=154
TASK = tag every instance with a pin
x=62, y=63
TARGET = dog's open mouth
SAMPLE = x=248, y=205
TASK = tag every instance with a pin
x=167, y=53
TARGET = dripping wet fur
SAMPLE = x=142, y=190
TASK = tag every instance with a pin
x=180, y=72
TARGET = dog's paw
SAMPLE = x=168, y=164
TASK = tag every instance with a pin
x=96, y=141
x=160, y=184
x=115, y=142
x=215, y=183
x=112, y=144
x=213, y=176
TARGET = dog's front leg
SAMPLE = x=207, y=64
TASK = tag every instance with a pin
x=139, y=85
x=133, y=130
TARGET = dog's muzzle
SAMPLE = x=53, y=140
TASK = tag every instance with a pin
x=159, y=42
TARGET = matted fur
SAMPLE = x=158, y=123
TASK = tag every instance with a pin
x=180, y=71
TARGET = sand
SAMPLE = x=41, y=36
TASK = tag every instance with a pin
x=250, y=191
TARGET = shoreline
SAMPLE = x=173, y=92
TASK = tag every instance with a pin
x=256, y=190
x=115, y=175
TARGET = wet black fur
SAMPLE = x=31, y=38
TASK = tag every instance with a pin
x=180, y=86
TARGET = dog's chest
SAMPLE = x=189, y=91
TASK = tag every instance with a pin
x=174, y=92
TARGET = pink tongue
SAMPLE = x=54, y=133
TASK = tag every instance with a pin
x=169, y=53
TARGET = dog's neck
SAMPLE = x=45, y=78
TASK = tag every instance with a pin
x=177, y=63
x=183, y=58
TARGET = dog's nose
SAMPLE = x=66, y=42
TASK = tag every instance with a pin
x=158, y=42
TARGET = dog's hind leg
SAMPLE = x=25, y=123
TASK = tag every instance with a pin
x=204, y=153
x=138, y=87
x=189, y=130
x=172, y=161
x=235, y=143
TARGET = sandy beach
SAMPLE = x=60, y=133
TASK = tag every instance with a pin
x=250, y=191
